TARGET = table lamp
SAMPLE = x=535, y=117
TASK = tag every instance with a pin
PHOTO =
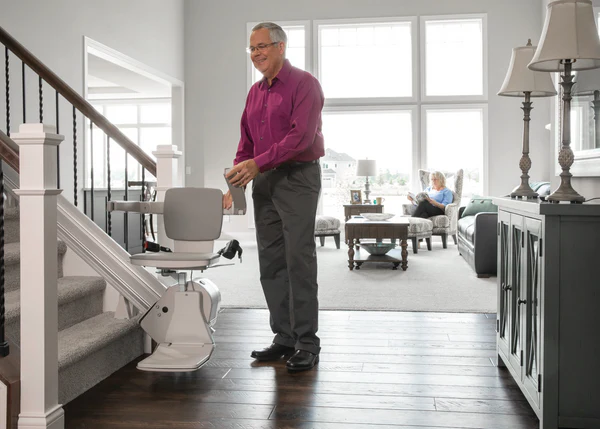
x=366, y=167
x=569, y=42
x=522, y=82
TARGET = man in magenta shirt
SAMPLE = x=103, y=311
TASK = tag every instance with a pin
x=280, y=146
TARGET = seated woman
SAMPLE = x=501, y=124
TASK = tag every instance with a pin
x=439, y=197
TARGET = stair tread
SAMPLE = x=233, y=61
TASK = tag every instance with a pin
x=12, y=252
x=70, y=288
x=11, y=213
x=93, y=334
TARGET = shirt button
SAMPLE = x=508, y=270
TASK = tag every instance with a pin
x=265, y=105
x=262, y=122
x=261, y=138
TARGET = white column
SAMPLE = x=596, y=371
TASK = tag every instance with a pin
x=167, y=176
x=39, y=304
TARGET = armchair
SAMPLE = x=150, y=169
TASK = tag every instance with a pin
x=446, y=224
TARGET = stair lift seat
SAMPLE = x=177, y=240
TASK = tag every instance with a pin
x=181, y=321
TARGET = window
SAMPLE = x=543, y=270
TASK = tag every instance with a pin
x=454, y=57
x=346, y=55
x=146, y=123
x=382, y=103
x=455, y=139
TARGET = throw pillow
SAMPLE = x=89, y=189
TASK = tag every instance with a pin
x=479, y=204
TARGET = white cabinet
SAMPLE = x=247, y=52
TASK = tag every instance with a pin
x=548, y=329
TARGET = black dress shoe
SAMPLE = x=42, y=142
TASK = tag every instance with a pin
x=302, y=361
x=273, y=352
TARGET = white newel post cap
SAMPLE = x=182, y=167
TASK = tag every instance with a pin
x=166, y=151
x=37, y=156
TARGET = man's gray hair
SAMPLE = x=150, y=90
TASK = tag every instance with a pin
x=276, y=33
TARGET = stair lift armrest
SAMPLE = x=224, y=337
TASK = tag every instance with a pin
x=148, y=207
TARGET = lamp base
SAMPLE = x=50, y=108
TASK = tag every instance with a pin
x=565, y=192
x=524, y=191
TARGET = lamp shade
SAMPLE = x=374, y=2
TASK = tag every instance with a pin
x=366, y=167
x=520, y=79
x=569, y=33
x=586, y=82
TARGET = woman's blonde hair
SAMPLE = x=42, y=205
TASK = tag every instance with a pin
x=440, y=177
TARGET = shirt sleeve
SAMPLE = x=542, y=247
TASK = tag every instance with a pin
x=246, y=145
x=305, y=122
x=448, y=197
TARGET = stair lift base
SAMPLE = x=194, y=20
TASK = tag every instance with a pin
x=181, y=323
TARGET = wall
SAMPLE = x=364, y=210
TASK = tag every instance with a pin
x=215, y=66
x=150, y=31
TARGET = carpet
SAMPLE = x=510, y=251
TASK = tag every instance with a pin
x=439, y=280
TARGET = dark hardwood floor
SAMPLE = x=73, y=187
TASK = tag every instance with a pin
x=378, y=370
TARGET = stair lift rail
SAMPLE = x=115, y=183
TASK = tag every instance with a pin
x=181, y=321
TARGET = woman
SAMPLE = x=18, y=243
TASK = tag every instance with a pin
x=439, y=197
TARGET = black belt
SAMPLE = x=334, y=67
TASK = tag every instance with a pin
x=295, y=164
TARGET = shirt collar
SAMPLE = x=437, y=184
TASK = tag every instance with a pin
x=282, y=76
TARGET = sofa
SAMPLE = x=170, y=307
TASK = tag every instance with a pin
x=477, y=231
x=477, y=238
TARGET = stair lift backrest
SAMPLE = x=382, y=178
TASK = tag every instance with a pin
x=193, y=218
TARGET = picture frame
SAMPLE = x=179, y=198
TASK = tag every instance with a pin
x=355, y=196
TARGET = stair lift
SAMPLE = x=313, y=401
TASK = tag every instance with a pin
x=181, y=321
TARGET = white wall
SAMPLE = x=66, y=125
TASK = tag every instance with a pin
x=150, y=31
x=215, y=68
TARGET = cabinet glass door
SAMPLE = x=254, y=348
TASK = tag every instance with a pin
x=516, y=276
x=533, y=320
x=504, y=282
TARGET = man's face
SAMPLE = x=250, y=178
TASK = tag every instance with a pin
x=268, y=60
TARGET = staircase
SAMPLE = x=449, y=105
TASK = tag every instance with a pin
x=92, y=344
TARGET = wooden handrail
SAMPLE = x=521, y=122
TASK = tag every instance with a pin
x=9, y=151
x=78, y=101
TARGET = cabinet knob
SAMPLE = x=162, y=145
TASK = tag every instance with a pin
x=522, y=301
x=507, y=287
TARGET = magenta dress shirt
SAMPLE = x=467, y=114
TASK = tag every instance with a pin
x=282, y=122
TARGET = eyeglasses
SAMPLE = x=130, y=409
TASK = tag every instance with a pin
x=261, y=47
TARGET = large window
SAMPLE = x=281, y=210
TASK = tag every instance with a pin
x=146, y=123
x=382, y=103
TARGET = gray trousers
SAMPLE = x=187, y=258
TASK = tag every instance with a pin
x=285, y=207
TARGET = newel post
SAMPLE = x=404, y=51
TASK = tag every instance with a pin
x=39, y=304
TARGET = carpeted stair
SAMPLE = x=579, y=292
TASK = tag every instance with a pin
x=91, y=344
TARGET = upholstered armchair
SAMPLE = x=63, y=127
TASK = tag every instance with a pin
x=446, y=224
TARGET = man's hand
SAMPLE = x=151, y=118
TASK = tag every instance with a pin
x=243, y=173
x=227, y=200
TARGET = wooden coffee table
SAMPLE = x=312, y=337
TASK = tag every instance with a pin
x=394, y=228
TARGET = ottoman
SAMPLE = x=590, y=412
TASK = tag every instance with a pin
x=419, y=229
x=328, y=226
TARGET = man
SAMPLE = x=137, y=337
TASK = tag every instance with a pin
x=280, y=144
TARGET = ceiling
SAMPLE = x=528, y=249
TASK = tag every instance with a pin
x=107, y=80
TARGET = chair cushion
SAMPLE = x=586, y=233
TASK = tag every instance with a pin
x=327, y=224
x=440, y=221
x=479, y=204
x=175, y=260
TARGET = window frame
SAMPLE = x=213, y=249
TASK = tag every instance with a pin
x=422, y=53
x=373, y=101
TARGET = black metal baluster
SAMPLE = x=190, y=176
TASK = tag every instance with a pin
x=109, y=215
x=143, y=216
x=7, y=79
x=92, y=168
x=41, y=96
x=75, y=158
x=57, y=148
x=24, y=104
x=3, y=343
x=125, y=214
